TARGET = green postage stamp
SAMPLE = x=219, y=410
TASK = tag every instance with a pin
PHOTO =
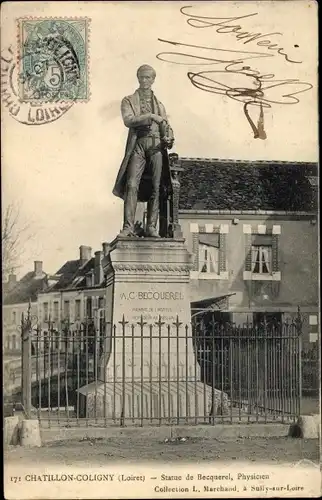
x=53, y=59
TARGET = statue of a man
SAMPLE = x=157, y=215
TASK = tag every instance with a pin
x=144, y=168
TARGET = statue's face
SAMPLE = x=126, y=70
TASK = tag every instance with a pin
x=146, y=79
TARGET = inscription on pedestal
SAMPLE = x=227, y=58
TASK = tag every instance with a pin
x=151, y=303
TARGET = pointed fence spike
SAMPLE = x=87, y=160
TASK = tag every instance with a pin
x=159, y=323
x=141, y=323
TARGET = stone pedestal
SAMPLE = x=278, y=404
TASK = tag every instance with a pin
x=149, y=369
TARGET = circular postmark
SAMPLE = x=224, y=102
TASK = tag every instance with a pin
x=27, y=113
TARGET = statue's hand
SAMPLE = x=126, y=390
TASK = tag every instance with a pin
x=168, y=142
x=156, y=118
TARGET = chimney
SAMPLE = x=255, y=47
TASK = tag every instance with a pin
x=12, y=280
x=89, y=278
x=106, y=248
x=98, y=268
x=85, y=253
x=38, y=269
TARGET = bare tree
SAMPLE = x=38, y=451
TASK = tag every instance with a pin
x=14, y=234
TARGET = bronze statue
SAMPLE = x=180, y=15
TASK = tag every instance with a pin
x=145, y=168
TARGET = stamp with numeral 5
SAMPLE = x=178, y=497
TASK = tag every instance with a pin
x=53, y=59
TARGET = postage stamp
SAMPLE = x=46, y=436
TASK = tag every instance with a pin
x=53, y=59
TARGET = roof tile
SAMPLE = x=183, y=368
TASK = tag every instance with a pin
x=283, y=186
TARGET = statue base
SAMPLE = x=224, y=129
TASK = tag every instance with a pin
x=149, y=369
x=185, y=402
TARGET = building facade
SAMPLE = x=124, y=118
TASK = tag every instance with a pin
x=76, y=293
x=252, y=229
x=18, y=296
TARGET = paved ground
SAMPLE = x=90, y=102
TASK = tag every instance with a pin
x=130, y=450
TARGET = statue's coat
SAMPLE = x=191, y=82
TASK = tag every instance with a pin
x=130, y=109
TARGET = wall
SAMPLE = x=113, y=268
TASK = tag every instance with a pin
x=298, y=263
x=71, y=296
x=12, y=330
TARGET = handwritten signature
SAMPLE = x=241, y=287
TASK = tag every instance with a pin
x=233, y=78
x=245, y=36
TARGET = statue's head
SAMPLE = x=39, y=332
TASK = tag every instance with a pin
x=146, y=76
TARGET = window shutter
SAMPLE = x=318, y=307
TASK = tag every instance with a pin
x=195, y=250
x=275, y=263
x=248, y=252
x=222, y=252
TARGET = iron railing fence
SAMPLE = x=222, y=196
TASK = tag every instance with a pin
x=311, y=371
x=161, y=374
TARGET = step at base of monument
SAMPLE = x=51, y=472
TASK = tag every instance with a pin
x=151, y=400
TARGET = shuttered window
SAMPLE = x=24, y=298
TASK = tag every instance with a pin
x=261, y=259
x=261, y=253
x=209, y=250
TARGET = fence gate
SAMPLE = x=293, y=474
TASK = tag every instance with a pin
x=94, y=373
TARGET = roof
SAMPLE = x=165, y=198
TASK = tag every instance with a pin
x=73, y=275
x=66, y=272
x=212, y=184
x=26, y=289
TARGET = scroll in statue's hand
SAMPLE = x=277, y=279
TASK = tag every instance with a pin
x=156, y=118
x=168, y=142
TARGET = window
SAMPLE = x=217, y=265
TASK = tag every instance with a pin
x=262, y=256
x=56, y=311
x=7, y=316
x=14, y=342
x=101, y=319
x=261, y=259
x=89, y=307
x=14, y=317
x=208, y=253
x=209, y=248
x=66, y=309
x=77, y=309
x=208, y=259
x=45, y=309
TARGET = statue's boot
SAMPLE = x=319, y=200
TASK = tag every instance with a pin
x=151, y=232
x=130, y=203
x=126, y=233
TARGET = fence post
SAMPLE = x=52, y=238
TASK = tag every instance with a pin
x=26, y=362
x=299, y=340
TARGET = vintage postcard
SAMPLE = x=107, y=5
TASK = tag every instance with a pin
x=160, y=249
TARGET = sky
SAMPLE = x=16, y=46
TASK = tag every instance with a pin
x=62, y=173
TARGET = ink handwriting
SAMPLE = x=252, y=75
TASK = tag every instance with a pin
x=217, y=81
x=232, y=76
x=197, y=21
